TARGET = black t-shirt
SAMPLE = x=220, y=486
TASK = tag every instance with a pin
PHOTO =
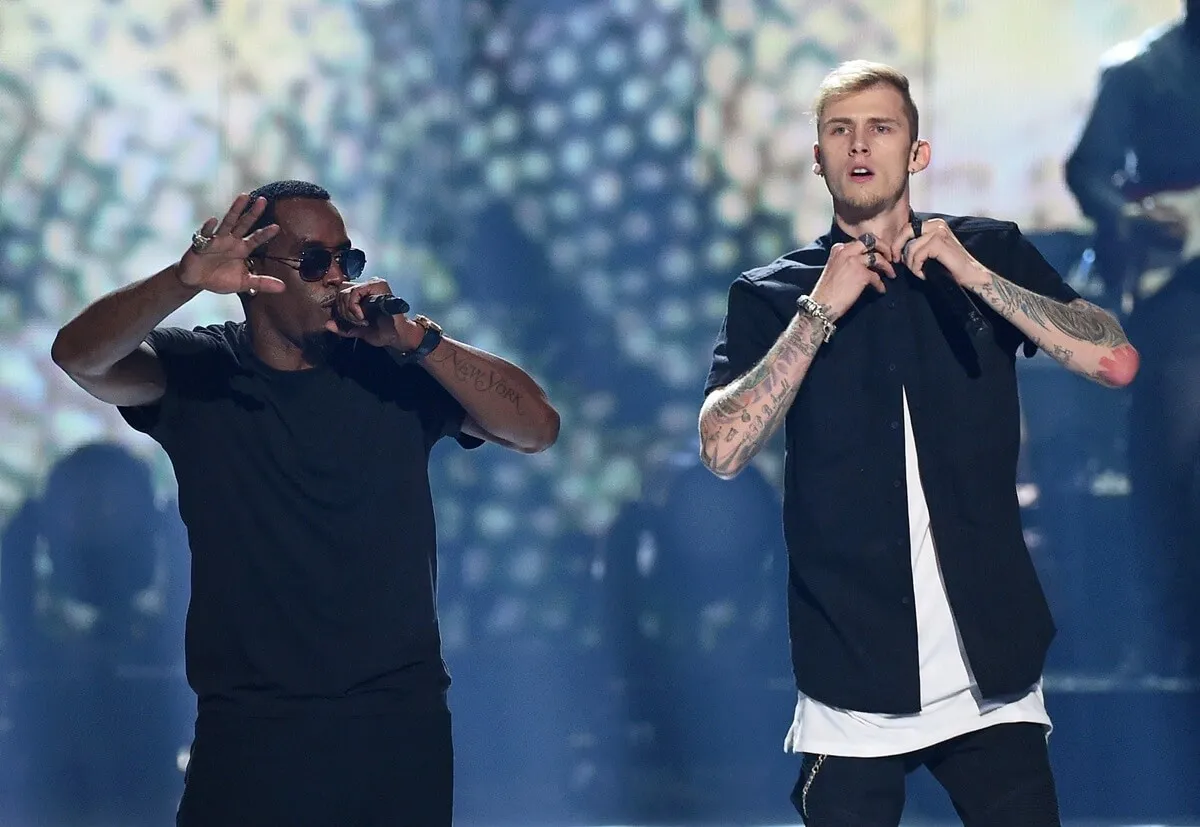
x=310, y=519
x=845, y=513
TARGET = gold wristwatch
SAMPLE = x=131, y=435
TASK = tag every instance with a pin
x=431, y=339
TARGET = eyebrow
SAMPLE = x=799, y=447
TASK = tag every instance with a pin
x=895, y=121
x=314, y=244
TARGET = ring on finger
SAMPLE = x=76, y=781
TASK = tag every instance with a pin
x=871, y=259
x=868, y=240
x=200, y=241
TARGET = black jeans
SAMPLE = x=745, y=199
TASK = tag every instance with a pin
x=392, y=770
x=996, y=777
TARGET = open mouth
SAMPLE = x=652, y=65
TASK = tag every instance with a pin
x=861, y=175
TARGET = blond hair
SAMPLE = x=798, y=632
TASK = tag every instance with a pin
x=859, y=75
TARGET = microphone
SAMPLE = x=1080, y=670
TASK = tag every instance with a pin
x=958, y=300
x=383, y=305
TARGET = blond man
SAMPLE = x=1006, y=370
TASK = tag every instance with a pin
x=887, y=350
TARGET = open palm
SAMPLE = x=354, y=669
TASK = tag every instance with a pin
x=220, y=265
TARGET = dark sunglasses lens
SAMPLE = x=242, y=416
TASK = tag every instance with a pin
x=314, y=264
x=352, y=262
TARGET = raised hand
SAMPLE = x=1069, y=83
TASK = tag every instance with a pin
x=216, y=262
x=938, y=242
x=351, y=321
x=851, y=267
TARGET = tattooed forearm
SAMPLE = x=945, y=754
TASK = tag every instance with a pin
x=1059, y=353
x=740, y=418
x=1079, y=335
x=503, y=403
x=478, y=376
x=1080, y=320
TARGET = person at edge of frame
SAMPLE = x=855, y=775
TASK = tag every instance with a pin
x=300, y=440
x=887, y=350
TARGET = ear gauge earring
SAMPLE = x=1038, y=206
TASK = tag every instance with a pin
x=816, y=168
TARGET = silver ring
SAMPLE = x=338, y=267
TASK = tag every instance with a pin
x=869, y=240
x=871, y=259
x=200, y=241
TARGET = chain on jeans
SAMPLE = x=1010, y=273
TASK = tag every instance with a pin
x=816, y=767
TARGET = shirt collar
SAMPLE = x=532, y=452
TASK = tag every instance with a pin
x=837, y=235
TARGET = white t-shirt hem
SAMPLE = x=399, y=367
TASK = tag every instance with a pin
x=900, y=740
x=950, y=706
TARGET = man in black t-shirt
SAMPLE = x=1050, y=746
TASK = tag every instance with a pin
x=300, y=439
x=919, y=629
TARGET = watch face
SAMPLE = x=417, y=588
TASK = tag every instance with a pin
x=428, y=323
x=431, y=340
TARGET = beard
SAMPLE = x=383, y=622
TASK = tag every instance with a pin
x=862, y=206
x=320, y=346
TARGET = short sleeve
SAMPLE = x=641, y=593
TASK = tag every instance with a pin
x=182, y=356
x=748, y=331
x=1028, y=268
x=441, y=414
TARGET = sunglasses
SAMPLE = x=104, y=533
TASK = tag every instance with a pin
x=315, y=262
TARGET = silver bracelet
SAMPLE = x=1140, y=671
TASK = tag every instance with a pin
x=808, y=306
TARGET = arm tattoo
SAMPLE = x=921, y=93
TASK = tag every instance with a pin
x=482, y=378
x=1060, y=354
x=749, y=410
x=1081, y=320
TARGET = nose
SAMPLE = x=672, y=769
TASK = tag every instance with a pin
x=858, y=146
x=334, y=275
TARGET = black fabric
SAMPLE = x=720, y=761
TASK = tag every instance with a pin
x=1164, y=462
x=392, y=770
x=310, y=519
x=850, y=588
x=1147, y=91
x=996, y=777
